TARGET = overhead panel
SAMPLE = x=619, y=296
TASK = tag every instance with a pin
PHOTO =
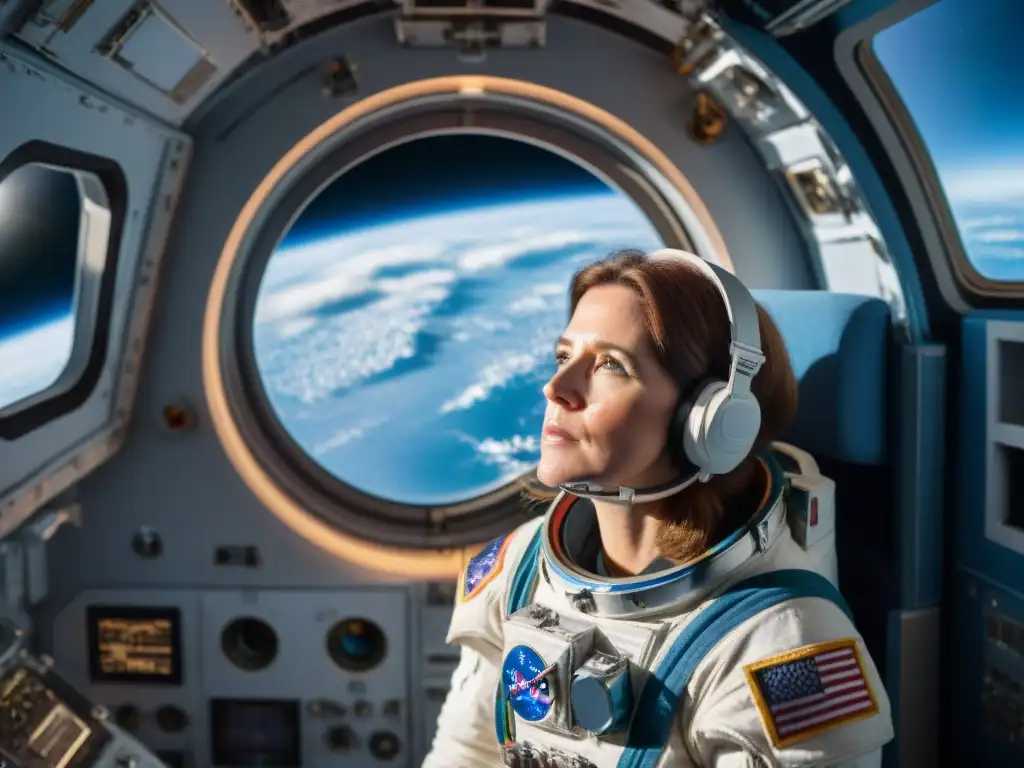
x=164, y=57
x=149, y=45
x=472, y=27
x=168, y=56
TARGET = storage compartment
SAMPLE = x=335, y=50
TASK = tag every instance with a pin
x=1010, y=472
x=1010, y=378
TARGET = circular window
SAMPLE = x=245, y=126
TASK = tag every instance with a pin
x=382, y=319
x=404, y=326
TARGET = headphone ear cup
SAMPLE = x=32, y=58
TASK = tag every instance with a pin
x=730, y=429
x=694, y=443
x=680, y=424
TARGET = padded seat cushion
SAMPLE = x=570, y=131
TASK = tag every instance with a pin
x=838, y=344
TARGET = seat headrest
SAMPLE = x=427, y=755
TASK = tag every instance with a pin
x=838, y=344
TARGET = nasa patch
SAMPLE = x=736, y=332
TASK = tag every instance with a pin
x=482, y=568
x=526, y=685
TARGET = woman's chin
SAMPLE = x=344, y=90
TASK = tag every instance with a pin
x=550, y=474
x=554, y=473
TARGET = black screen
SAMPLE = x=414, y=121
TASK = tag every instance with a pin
x=249, y=733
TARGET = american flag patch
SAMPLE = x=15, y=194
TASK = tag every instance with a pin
x=808, y=691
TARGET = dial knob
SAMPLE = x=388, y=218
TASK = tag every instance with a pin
x=127, y=716
x=171, y=719
x=384, y=745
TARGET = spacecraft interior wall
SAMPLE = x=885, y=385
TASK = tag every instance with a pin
x=169, y=523
x=184, y=475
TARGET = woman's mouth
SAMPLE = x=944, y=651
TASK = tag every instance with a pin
x=555, y=435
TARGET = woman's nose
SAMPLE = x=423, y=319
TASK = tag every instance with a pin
x=564, y=392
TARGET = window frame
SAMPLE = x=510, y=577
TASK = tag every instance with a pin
x=102, y=181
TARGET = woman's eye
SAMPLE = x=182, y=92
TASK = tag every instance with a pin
x=612, y=365
x=560, y=357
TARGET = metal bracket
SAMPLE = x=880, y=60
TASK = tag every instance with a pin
x=472, y=28
x=23, y=572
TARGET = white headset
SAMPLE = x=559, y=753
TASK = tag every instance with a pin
x=716, y=426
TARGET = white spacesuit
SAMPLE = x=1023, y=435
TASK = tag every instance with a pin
x=746, y=656
x=553, y=673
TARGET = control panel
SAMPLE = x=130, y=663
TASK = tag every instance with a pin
x=46, y=723
x=1003, y=680
x=233, y=678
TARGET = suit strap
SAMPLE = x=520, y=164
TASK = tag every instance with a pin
x=655, y=713
x=524, y=581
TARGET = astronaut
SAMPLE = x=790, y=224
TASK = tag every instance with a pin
x=669, y=609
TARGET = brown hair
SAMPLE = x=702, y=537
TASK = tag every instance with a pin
x=689, y=328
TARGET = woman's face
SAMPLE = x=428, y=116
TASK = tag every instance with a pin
x=610, y=402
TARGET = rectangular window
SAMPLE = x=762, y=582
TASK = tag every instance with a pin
x=957, y=66
x=40, y=232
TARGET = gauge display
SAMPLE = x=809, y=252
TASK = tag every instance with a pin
x=134, y=644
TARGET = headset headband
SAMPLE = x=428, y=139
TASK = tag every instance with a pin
x=745, y=353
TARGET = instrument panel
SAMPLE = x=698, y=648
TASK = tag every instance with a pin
x=239, y=678
x=46, y=723
x=39, y=728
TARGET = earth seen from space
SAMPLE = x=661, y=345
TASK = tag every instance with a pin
x=408, y=358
